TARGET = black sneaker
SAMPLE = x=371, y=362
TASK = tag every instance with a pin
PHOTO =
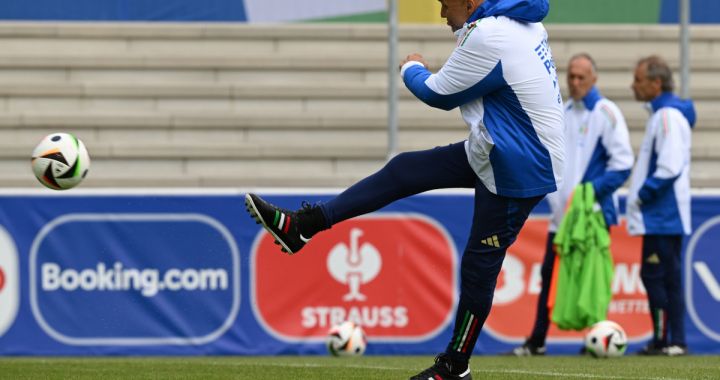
x=527, y=349
x=443, y=370
x=652, y=350
x=282, y=224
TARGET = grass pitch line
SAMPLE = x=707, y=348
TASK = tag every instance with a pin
x=318, y=365
x=474, y=370
x=574, y=375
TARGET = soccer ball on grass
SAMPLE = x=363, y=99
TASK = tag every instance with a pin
x=606, y=339
x=60, y=161
x=346, y=339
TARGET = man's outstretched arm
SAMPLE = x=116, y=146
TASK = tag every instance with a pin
x=466, y=76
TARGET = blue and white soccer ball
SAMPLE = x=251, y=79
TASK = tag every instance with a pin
x=346, y=339
x=606, y=339
x=60, y=161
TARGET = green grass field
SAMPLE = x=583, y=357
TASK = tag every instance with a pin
x=368, y=367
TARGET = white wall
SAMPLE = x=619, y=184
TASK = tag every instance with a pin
x=294, y=10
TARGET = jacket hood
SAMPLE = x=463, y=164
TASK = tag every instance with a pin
x=520, y=10
x=685, y=106
x=593, y=96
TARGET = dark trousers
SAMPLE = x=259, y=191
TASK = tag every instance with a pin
x=661, y=273
x=542, y=315
x=496, y=223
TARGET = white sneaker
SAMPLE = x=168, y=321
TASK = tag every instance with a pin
x=527, y=349
x=675, y=350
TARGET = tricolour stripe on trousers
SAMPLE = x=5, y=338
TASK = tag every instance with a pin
x=661, y=322
x=469, y=333
x=457, y=339
x=463, y=331
x=468, y=327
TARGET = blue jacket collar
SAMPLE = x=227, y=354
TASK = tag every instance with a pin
x=668, y=99
x=593, y=96
x=520, y=10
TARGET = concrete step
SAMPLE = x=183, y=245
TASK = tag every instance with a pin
x=227, y=51
x=291, y=105
x=155, y=172
x=619, y=79
x=323, y=114
x=244, y=33
x=280, y=61
x=338, y=180
x=328, y=31
x=205, y=174
x=369, y=119
x=247, y=173
x=172, y=144
x=310, y=106
x=613, y=86
x=248, y=151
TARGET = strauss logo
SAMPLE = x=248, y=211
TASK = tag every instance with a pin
x=360, y=274
x=354, y=265
x=2, y=279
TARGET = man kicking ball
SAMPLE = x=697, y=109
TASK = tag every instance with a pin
x=502, y=77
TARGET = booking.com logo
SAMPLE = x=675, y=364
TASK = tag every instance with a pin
x=135, y=277
x=118, y=278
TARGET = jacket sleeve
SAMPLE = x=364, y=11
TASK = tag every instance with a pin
x=669, y=150
x=616, y=141
x=472, y=71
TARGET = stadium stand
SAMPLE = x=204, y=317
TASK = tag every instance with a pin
x=163, y=104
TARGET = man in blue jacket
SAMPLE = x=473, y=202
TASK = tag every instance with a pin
x=597, y=150
x=658, y=204
x=502, y=77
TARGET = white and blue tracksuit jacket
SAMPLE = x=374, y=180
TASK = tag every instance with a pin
x=597, y=150
x=503, y=78
x=659, y=197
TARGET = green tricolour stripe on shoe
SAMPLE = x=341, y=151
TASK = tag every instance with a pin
x=277, y=218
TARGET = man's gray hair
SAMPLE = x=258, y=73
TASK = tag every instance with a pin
x=588, y=57
x=657, y=68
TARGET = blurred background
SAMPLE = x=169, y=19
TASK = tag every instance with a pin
x=184, y=93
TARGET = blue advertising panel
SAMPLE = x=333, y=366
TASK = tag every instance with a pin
x=702, y=279
x=124, y=10
x=129, y=265
x=146, y=273
x=701, y=11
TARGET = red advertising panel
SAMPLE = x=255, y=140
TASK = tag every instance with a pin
x=9, y=281
x=514, y=306
x=395, y=274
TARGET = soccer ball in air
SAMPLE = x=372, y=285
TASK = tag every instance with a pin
x=60, y=161
x=606, y=339
x=346, y=339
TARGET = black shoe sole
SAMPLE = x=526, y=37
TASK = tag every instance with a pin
x=255, y=214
